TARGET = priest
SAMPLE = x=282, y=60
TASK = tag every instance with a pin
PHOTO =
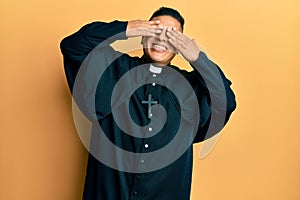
x=146, y=113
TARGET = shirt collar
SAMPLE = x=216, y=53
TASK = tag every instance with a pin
x=154, y=69
x=163, y=70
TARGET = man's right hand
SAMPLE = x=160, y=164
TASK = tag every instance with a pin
x=137, y=28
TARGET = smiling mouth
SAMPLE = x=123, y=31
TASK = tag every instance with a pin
x=159, y=47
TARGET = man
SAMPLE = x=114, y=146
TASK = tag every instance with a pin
x=162, y=38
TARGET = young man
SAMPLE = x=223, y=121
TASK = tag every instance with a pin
x=145, y=177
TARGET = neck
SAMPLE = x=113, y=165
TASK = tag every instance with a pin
x=155, y=69
x=149, y=60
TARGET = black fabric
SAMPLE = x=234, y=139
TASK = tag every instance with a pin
x=172, y=182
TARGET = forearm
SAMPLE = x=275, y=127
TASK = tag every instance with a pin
x=77, y=46
x=216, y=87
x=215, y=81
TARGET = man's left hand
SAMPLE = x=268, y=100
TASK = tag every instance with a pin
x=187, y=47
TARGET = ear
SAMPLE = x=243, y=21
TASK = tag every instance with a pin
x=175, y=50
x=142, y=40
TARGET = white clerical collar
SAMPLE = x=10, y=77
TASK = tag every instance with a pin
x=155, y=69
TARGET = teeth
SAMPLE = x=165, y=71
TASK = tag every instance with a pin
x=159, y=47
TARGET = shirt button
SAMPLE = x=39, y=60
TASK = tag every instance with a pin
x=153, y=84
x=135, y=192
x=154, y=75
x=150, y=129
x=146, y=146
x=142, y=161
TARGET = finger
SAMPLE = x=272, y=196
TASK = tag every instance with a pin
x=154, y=22
x=175, y=44
x=175, y=38
x=147, y=34
x=176, y=34
x=161, y=27
x=154, y=30
x=174, y=41
x=150, y=32
x=156, y=27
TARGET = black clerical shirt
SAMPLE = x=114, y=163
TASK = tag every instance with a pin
x=172, y=182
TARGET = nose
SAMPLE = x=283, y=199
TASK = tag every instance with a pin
x=163, y=36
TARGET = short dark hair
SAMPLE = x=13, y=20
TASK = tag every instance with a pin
x=170, y=12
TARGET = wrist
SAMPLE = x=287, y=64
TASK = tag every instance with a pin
x=194, y=57
x=194, y=62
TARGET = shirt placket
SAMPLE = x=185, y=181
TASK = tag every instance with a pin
x=137, y=192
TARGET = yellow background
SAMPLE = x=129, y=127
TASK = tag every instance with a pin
x=257, y=43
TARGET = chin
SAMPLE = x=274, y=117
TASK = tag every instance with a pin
x=160, y=59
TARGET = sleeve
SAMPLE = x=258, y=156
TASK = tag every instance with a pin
x=77, y=46
x=215, y=96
